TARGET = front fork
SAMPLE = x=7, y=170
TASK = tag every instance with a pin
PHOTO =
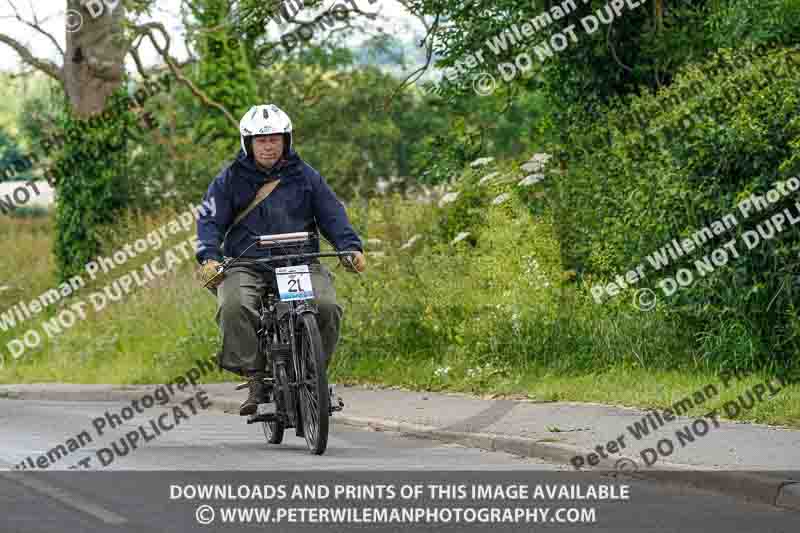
x=282, y=349
x=300, y=308
x=336, y=403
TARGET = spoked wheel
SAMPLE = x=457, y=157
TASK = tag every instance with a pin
x=313, y=384
x=273, y=431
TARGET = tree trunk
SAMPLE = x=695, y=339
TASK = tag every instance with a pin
x=94, y=62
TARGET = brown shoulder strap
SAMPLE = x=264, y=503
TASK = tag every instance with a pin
x=262, y=193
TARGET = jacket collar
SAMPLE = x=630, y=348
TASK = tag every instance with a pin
x=286, y=169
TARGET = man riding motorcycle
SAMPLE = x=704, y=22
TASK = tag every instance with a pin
x=302, y=201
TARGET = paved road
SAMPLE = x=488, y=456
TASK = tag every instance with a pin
x=116, y=499
x=212, y=440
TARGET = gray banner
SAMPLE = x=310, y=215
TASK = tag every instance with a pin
x=176, y=501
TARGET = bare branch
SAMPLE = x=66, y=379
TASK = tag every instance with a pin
x=421, y=18
x=43, y=65
x=421, y=70
x=371, y=16
x=263, y=49
x=213, y=29
x=189, y=54
x=147, y=29
x=614, y=50
x=22, y=74
x=134, y=52
x=36, y=26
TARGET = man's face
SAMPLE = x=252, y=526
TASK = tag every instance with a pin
x=268, y=149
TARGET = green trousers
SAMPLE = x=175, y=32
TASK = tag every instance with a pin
x=238, y=303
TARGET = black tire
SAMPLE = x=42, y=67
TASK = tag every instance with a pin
x=273, y=431
x=312, y=384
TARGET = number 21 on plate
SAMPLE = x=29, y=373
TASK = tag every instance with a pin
x=294, y=283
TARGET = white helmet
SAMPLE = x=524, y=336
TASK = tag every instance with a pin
x=265, y=120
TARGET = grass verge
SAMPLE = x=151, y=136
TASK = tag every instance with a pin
x=490, y=314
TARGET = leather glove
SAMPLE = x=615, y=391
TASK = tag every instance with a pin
x=359, y=262
x=209, y=275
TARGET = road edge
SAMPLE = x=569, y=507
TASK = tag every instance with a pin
x=774, y=491
x=769, y=490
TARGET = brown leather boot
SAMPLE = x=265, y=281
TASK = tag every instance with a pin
x=255, y=383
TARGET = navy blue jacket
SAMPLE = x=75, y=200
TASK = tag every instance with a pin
x=302, y=201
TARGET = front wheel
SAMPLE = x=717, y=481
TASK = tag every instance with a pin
x=313, y=384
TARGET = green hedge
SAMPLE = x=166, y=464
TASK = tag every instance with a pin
x=714, y=137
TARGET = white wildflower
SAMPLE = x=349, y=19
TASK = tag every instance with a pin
x=381, y=186
x=541, y=157
x=449, y=197
x=532, y=166
x=441, y=371
x=530, y=180
x=481, y=161
x=460, y=237
x=488, y=177
x=411, y=241
x=502, y=198
x=536, y=163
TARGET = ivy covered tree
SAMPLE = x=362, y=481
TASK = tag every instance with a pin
x=90, y=159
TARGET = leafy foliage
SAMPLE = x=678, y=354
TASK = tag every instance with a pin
x=11, y=158
x=92, y=181
x=707, y=143
x=740, y=22
x=40, y=112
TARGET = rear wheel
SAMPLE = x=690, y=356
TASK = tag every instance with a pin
x=313, y=384
x=273, y=431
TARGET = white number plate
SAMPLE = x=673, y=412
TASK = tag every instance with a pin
x=294, y=283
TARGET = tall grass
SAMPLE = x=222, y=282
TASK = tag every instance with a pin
x=502, y=304
x=492, y=314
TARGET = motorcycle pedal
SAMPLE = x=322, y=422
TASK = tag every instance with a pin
x=336, y=409
x=254, y=419
x=335, y=403
x=267, y=408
